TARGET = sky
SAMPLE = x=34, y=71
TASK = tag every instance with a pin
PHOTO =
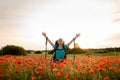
x=23, y=21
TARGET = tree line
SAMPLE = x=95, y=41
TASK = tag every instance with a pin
x=17, y=50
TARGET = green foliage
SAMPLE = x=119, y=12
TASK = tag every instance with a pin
x=51, y=51
x=76, y=51
x=12, y=50
x=0, y=52
x=38, y=52
x=101, y=51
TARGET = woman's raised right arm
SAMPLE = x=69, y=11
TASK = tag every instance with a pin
x=44, y=34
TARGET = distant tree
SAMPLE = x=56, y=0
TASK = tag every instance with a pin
x=38, y=52
x=29, y=51
x=51, y=51
x=13, y=50
x=0, y=52
x=76, y=51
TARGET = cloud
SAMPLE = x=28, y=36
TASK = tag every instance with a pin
x=116, y=11
x=113, y=40
x=117, y=20
x=114, y=37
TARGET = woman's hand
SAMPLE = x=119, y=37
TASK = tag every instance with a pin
x=44, y=34
x=77, y=35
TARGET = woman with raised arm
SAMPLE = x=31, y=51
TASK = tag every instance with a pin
x=59, y=47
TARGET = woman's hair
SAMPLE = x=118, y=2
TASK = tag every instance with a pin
x=61, y=40
x=57, y=43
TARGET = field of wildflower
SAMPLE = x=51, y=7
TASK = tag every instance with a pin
x=41, y=68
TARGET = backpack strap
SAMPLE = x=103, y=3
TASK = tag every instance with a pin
x=56, y=48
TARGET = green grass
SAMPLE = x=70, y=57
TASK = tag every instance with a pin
x=87, y=54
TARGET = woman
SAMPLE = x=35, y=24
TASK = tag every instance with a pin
x=59, y=47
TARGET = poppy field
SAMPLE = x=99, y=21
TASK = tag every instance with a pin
x=41, y=68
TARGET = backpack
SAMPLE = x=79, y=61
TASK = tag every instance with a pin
x=54, y=51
